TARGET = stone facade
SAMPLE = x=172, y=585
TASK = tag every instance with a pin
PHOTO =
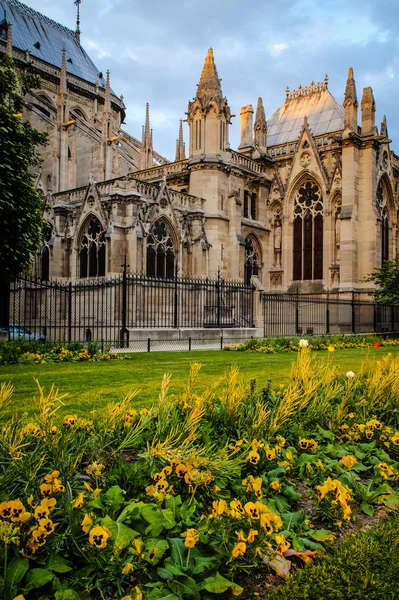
x=309, y=201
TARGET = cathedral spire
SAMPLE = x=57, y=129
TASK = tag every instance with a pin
x=77, y=31
x=180, y=145
x=209, y=84
x=147, y=129
x=260, y=127
x=146, y=146
x=350, y=102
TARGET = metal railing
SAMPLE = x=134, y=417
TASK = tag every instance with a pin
x=295, y=314
x=112, y=308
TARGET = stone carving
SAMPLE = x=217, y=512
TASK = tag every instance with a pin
x=305, y=159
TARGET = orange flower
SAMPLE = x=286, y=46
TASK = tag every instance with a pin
x=239, y=550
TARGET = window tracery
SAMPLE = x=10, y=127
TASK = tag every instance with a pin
x=308, y=232
x=252, y=261
x=383, y=212
x=92, y=249
x=45, y=252
x=160, y=252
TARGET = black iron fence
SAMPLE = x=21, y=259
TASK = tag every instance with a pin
x=294, y=314
x=109, y=308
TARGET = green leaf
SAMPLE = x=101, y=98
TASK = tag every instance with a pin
x=66, y=595
x=151, y=513
x=308, y=544
x=15, y=572
x=289, y=491
x=168, y=519
x=174, y=503
x=155, y=548
x=294, y=521
x=58, y=564
x=36, y=578
x=367, y=508
x=326, y=434
x=122, y=536
x=282, y=503
x=185, y=587
x=164, y=574
x=178, y=551
x=131, y=510
x=174, y=569
x=114, y=499
x=322, y=535
x=203, y=563
x=219, y=585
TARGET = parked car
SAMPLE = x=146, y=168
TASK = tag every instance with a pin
x=19, y=331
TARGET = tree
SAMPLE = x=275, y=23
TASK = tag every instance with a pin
x=386, y=280
x=21, y=207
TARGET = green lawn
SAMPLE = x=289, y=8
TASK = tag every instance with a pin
x=92, y=385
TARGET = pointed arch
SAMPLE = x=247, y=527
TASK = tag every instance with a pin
x=79, y=112
x=253, y=258
x=42, y=263
x=161, y=249
x=91, y=248
x=308, y=213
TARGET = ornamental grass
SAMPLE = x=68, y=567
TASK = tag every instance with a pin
x=203, y=494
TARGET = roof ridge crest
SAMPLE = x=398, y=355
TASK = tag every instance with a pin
x=312, y=88
x=35, y=13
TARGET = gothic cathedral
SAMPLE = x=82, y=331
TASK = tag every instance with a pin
x=308, y=201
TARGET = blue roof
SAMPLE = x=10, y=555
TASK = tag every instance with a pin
x=30, y=27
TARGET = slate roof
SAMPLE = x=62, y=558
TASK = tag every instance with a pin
x=30, y=27
x=324, y=113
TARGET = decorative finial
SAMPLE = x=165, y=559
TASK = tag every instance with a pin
x=326, y=81
x=287, y=92
x=77, y=32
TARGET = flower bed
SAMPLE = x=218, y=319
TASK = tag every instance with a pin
x=24, y=352
x=331, y=343
x=202, y=493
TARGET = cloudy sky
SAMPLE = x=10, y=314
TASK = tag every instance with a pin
x=155, y=51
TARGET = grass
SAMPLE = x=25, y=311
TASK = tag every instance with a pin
x=92, y=385
x=364, y=567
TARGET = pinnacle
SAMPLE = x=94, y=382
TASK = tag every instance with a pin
x=350, y=90
x=209, y=85
x=260, y=112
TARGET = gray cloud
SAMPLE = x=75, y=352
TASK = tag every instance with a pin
x=155, y=52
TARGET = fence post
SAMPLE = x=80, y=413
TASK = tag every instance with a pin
x=124, y=332
x=189, y=344
x=375, y=316
x=218, y=284
x=221, y=342
x=392, y=319
x=328, y=314
x=297, y=312
x=176, y=302
x=353, y=313
x=70, y=312
x=148, y=344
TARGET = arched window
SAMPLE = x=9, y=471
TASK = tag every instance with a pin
x=383, y=211
x=160, y=252
x=308, y=232
x=45, y=252
x=79, y=113
x=251, y=266
x=92, y=249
